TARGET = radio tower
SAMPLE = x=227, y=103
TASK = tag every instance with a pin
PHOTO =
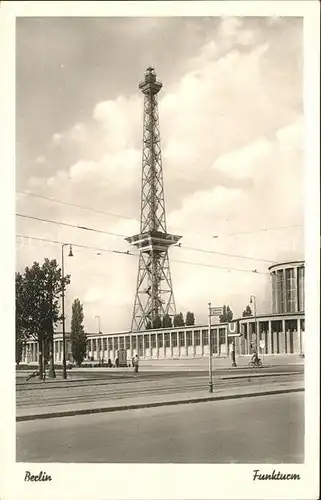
x=154, y=290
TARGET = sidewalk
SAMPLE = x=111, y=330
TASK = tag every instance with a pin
x=182, y=364
x=138, y=402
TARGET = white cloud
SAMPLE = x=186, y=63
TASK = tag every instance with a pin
x=241, y=163
x=272, y=20
x=121, y=122
x=230, y=26
x=200, y=209
x=40, y=159
x=56, y=139
x=78, y=132
x=246, y=37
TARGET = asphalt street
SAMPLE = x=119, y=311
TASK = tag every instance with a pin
x=265, y=429
x=119, y=385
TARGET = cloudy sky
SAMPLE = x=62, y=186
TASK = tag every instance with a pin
x=231, y=117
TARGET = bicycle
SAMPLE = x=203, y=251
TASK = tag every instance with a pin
x=255, y=364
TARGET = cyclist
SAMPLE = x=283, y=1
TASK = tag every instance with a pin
x=255, y=359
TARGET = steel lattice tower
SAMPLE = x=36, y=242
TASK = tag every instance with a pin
x=154, y=290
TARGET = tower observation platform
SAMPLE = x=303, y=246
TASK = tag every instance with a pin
x=154, y=292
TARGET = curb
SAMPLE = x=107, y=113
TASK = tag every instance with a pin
x=133, y=406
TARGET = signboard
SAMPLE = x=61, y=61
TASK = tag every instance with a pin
x=216, y=311
x=233, y=328
x=122, y=357
x=262, y=344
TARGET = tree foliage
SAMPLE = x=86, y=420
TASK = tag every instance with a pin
x=227, y=314
x=78, y=336
x=38, y=292
x=179, y=320
x=167, y=321
x=190, y=319
x=157, y=322
x=20, y=320
x=247, y=312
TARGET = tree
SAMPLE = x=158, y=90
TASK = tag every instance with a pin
x=179, y=320
x=190, y=319
x=39, y=291
x=157, y=322
x=227, y=314
x=77, y=335
x=167, y=321
x=247, y=312
x=20, y=320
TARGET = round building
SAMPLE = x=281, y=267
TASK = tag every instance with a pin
x=287, y=287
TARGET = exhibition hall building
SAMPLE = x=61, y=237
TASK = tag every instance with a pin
x=279, y=332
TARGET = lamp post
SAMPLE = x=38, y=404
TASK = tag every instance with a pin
x=210, y=369
x=253, y=301
x=64, y=367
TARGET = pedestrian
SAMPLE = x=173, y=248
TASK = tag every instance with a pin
x=135, y=363
x=233, y=354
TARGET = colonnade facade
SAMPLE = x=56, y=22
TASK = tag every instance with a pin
x=281, y=334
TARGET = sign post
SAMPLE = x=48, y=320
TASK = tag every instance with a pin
x=212, y=311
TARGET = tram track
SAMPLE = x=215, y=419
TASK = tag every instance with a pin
x=71, y=395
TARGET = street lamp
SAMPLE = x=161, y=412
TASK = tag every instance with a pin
x=64, y=367
x=253, y=301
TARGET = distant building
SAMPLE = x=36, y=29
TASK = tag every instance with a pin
x=287, y=287
x=282, y=331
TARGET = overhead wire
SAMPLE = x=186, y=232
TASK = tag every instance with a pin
x=214, y=252
x=120, y=216
x=136, y=255
x=225, y=254
x=77, y=245
x=85, y=228
x=113, y=214
x=261, y=230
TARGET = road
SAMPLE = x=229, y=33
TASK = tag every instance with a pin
x=106, y=385
x=265, y=429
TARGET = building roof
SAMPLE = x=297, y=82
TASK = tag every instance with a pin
x=288, y=263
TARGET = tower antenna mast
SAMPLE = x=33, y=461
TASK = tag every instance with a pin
x=154, y=291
